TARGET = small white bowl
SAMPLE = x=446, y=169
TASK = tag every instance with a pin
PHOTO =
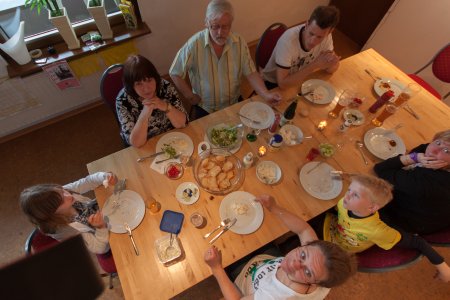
x=268, y=172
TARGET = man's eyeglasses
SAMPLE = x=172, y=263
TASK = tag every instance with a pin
x=216, y=27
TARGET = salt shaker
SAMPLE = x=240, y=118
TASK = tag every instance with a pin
x=345, y=125
x=248, y=160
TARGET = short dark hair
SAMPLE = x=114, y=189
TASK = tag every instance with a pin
x=340, y=264
x=325, y=16
x=137, y=68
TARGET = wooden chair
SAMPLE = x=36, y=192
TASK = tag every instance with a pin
x=38, y=242
x=378, y=260
x=441, y=70
x=110, y=86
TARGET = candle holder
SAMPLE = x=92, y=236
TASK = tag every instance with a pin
x=262, y=151
x=322, y=125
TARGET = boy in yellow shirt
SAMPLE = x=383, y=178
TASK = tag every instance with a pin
x=357, y=225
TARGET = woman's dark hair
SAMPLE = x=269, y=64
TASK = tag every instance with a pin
x=39, y=203
x=340, y=264
x=137, y=68
x=325, y=16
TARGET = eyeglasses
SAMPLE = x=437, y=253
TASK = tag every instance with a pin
x=216, y=27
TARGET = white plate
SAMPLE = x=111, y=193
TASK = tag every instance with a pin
x=292, y=135
x=248, y=222
x=323, y=92
x=232, y=150
x=351, y=114
x=319, y=183
x=394, y=85
x=273, y=172
x=257, y=111
x=183, y=191
x=130, y=209
x=377, y=142
x=178, y=140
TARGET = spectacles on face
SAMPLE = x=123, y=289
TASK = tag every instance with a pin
x=302, y=255
x=216, y=27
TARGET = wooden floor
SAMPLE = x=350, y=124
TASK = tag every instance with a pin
x=59, y=153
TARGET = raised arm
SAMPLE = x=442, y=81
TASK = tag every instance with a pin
x=293, y=222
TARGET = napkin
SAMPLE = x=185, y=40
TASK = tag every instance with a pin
x=160, y=168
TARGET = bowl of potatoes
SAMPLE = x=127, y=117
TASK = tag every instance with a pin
x=218, y=172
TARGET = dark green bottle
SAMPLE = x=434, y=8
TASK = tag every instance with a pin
x=289, y=113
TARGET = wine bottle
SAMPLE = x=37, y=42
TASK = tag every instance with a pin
x=289, y=113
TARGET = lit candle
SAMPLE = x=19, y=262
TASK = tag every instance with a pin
x=322, y=125
x=262, y=151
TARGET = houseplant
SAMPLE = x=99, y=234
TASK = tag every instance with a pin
x=57, y=15
x=97, y=10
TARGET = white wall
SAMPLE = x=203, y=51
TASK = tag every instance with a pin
x=172, y=22
x=411, y=33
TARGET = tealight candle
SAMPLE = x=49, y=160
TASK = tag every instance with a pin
x=322, y=125
x=262, y=151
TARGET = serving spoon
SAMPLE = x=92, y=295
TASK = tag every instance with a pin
x=360, y=145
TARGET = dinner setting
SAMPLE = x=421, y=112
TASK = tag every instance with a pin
x=214, y=184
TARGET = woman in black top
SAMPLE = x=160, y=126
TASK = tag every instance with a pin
x=421, y=182
x=147, y=105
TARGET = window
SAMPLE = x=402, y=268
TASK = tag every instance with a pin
x=38, y=27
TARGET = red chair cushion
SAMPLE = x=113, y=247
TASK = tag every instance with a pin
x=41, y=241
x=425, y=85
x=377, y=258
x=106, y=261
x=441, y=65
x=441, y=237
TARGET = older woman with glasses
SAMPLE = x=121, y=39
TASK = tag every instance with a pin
x=421, y=182
x=307, y=272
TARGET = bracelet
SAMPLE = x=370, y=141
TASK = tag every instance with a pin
x=414, y=157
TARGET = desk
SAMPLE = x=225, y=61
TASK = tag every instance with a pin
x=142, y=276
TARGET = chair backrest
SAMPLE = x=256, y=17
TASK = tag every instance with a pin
x=110, y=85
x=37, y=242
x=267, y=43
x=441, y=64
x=377, y=260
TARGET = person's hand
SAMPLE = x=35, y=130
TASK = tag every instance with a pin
x=327, y=59
x=149, y=106
x=96, y=220
x=443, y=272
x=111, y=178
x=267, y=201
x=431, y=162
x=213, y=257
x=272, y=98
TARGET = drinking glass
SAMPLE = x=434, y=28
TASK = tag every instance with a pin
x=153, y=205
x=345, y=99
x=388, y=111
x=407, y=93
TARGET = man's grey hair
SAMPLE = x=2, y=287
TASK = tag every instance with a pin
x=217, y=8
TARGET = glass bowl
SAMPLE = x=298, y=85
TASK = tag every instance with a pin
x=174, y=170
x=225, y=135
x=218, y=172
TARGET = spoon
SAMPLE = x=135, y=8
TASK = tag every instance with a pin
x=360, y=146
x=175, y=157
x=223, y=223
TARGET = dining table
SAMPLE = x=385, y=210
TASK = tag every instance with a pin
x=143, y=276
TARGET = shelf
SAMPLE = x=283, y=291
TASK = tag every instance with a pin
x=120, y=32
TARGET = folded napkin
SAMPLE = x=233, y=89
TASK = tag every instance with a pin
x=160, y=168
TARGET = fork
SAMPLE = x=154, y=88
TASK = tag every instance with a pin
x=253, y=121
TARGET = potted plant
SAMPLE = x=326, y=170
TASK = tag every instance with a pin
x=97, y=10
x=57, y=15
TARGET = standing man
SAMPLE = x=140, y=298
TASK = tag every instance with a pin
x=215, y=59
x=304, y=49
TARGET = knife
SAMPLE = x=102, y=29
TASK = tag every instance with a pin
x=223, y=230
x=315, y=167
x=149, y=156
x=128, y=229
